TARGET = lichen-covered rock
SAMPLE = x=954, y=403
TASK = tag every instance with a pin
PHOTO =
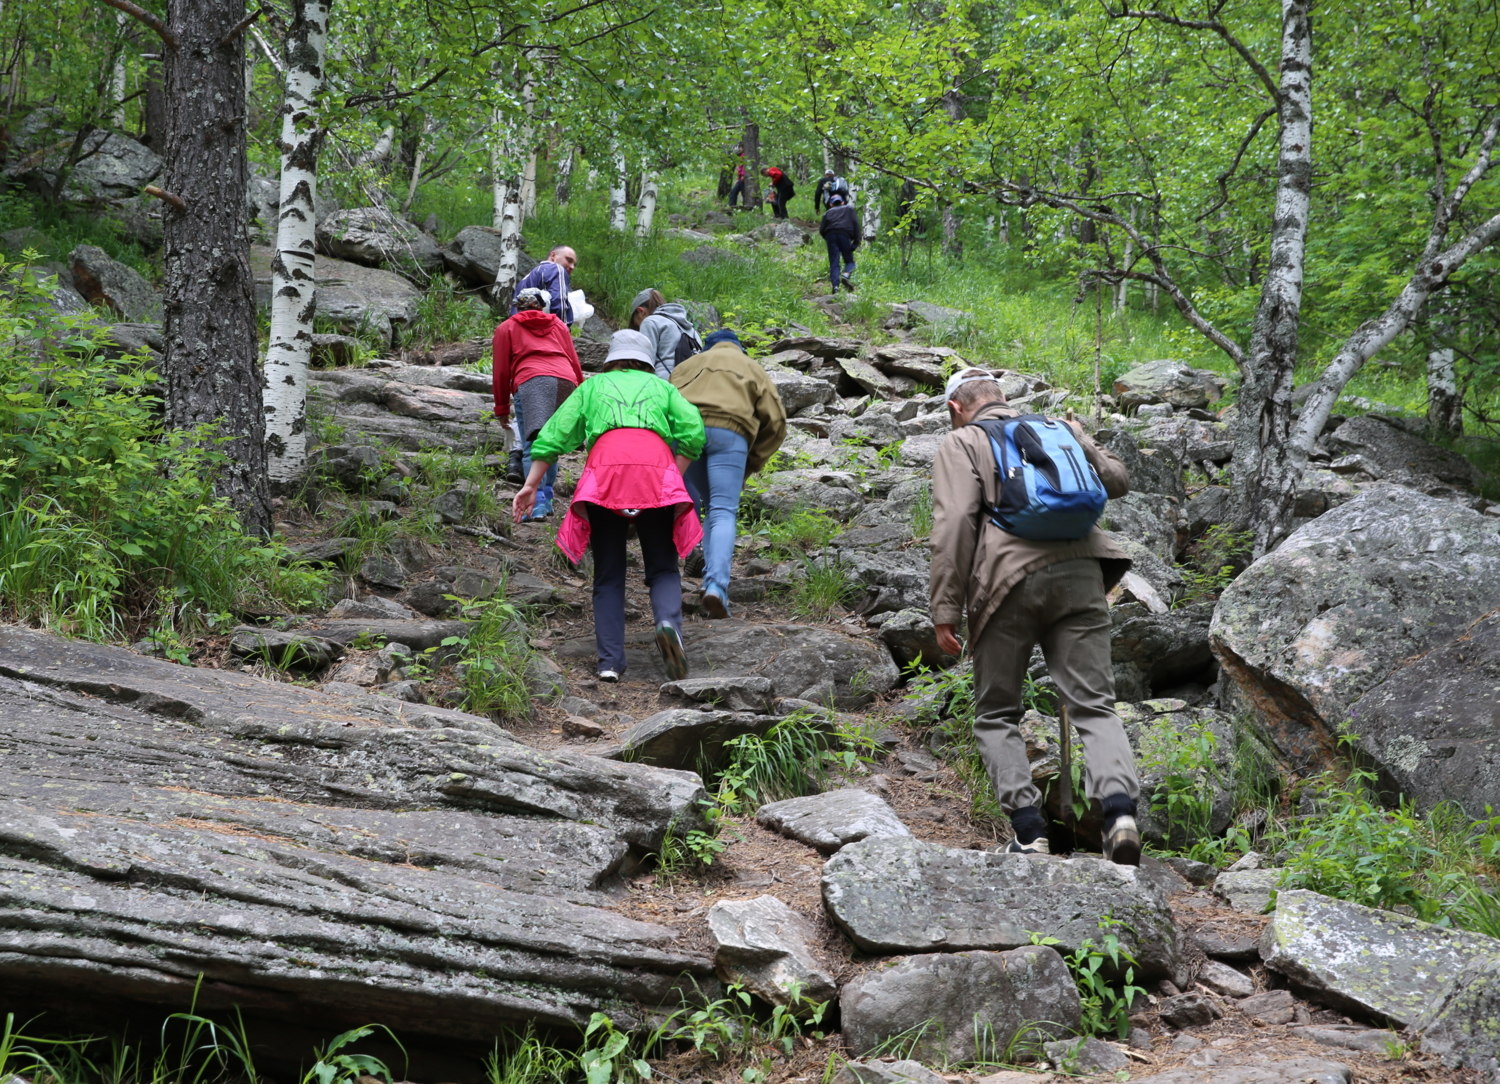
x=376, y=237
x=1463, y=1025
x=1247, y=890
x=912, y=639
x=1168, y=381
x=687, y=738
x=1086, y=1055
x=832, y=819
x=895, y=895
x=763, y=945
x=733, y=692
x=937, y=998
x=1359, y=959
x=474, y=256
x=1391, y=454
x=1311, y=627
x=1259, y=1070
x=1429, y=728
x=112, y=285
x=798, y=392
x=862, y=378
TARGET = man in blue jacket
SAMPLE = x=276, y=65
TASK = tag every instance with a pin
x=551, y=275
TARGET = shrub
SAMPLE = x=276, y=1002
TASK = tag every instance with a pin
x=109, y=518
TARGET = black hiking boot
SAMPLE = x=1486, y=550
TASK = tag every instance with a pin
x=513, y=473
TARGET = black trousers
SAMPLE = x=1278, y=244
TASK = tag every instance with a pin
x=659, y=556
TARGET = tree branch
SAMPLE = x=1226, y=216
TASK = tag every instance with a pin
x=166, y=197
x=240, y=27
x=1224, y=178
x=1217, y=27
x=162, y=30
x=265, y=47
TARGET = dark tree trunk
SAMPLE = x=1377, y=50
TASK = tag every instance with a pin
x=751, y=143
x=210, y=362
x=154, y=110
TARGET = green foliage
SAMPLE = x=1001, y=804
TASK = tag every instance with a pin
x=494, y=655
x=791, y=536
x=921, y=514
x=529, y=1061
x=446, y=315
x=1217, y=558
x=692, y=851
x=795, y=757
x=1184, y=798
x=1104, y=972
x=331, y=1067
x=610, y=1061
x=823, y=587
x=107, y=516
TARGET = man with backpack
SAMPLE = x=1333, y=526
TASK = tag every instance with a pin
x=782, y=190
x=841, y=230
x=1014, y=543
x=830, y=185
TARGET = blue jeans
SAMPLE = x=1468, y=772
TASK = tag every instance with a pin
x=715, y=479
x=840, y=244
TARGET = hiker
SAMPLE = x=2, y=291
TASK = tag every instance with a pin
x=830, y=185
x=738, y=194
x=744, y=424
x=668, y=326
x=629, y=421
x=841, y=230
x=1019, y=592
x=782, y=190
x=536, y=363
x=552, y=275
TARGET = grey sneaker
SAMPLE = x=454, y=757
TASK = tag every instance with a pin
x=610, y=676
x=1039, y=845
x=673, y=658
x=1122, y=843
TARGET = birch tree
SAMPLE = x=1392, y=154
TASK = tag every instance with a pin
x=293, y=277
x=646, y=211
x=617, y=216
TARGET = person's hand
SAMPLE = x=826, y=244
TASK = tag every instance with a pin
x=525, y=501
x=683, y=463
x=947, y=639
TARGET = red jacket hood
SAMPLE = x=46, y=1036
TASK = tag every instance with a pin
x=537, y=322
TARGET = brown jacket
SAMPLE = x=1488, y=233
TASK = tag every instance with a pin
x=974, y=562
x=733, y=392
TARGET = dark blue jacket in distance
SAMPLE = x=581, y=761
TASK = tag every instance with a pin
x=843, y=220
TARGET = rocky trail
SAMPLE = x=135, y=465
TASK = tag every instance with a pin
x=304, y=818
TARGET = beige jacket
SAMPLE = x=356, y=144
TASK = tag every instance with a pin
x=974, y=562
x=732, y=391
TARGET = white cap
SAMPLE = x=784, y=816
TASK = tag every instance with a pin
x=630, y=346
x=968, y=375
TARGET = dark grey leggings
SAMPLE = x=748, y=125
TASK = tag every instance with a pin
x=658, y=554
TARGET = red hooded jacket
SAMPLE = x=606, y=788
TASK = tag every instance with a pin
x=531, y=343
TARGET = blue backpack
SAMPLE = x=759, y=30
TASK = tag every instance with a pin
x=1049, y=492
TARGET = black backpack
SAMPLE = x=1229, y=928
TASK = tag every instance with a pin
x=688, y=344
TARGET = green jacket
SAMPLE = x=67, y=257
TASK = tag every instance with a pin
x=733, y=392
x=623, y=399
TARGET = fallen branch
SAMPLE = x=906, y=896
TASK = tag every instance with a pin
x=166, y=197
x=491, y=536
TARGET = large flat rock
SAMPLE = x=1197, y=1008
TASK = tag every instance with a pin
x=830, y=820
x=413, y=407
x=1363, y=960
x=1258, y=1071
x=903, y=895
x=309, y=853
x=1460, y=1027
x=1307, y=630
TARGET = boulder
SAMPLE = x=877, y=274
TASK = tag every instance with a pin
x=1376, y=963
x=785, y=492
x=1159, y=472
x=142, y=339
x=880, y=1072
x=1259, y=1070
x=357, y=299
x=114, y=286
x=924, y=364
x=1429, y=728
x=916, y=314
x=376, y=237
x=1270, y=1008
x=474, y=256
x=1389, y=453
x=920, y=452
x=1164, y=649
x=1168, y=381
x=315, y=854
x=893, y=895
x=932, y=1002
x=1247, y=890
x=832, y=819
x=707, y=255
x=1085, y=1055
x=1190, y=1010
x=913, y=641
x=763, y=945
x=819, y=347
x=1225, y=980
x=1309, y=629
x=889, y=580
x=783, y=233
x=799, y=392
x=810, y=663
x=113, y=166
x=283, y=650
x=371, y=606
x=688, y=739
x=862, y=378
x=734, y=693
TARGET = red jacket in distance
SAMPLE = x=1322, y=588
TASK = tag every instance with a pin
x=775, y=175
x=531, y=343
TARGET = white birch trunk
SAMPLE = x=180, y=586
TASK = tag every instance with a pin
x=509, y=272
x=381, y=150
x=869, y=212
x=1120, y=291
x=1445, y=407
x=117, y=76
x=528, y=141
x=293, y=283
x=646, y=212
x=499, y=171
x=564, y=178
x=416, y=167
x=617, y=216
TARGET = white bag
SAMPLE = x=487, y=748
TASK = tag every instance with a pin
x=582, y=310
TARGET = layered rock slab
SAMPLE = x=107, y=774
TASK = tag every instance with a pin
x=310, y=853
x=938, y=1002
x=830, y=820
x=763, y=945
x=1310, y=628
x=894, y=895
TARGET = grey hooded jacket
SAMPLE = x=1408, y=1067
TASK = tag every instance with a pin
x=664, y=327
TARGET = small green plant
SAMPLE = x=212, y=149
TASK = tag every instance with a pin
x=921, y=513
x=1184, y=798
x=494, y=656
x=793, y=758
x=610, y=1062
x=332, y=1067
x=1218, y=557
x=529, y=1061
x=1104, y=972
x=823, y=587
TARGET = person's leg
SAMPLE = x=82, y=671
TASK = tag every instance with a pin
x=696, y=477
x=833, y=261
x=607, y=542
x=1076, y=645
x=664, y=582
x=1001, y=655
x=847, y=250
x=518, y=424
x=726, y=452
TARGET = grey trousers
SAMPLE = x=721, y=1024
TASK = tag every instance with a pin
x=1062, y=606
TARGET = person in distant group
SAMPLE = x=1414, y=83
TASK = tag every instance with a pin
x=668, y=326
x=744, y=425
x=553, y=276
x=841, y=230
x=629, y=421
x=536, y=363
x=830, y=185
x=782, y=190
x=737, y=194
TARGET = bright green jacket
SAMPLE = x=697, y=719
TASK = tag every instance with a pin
x=622, y=399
